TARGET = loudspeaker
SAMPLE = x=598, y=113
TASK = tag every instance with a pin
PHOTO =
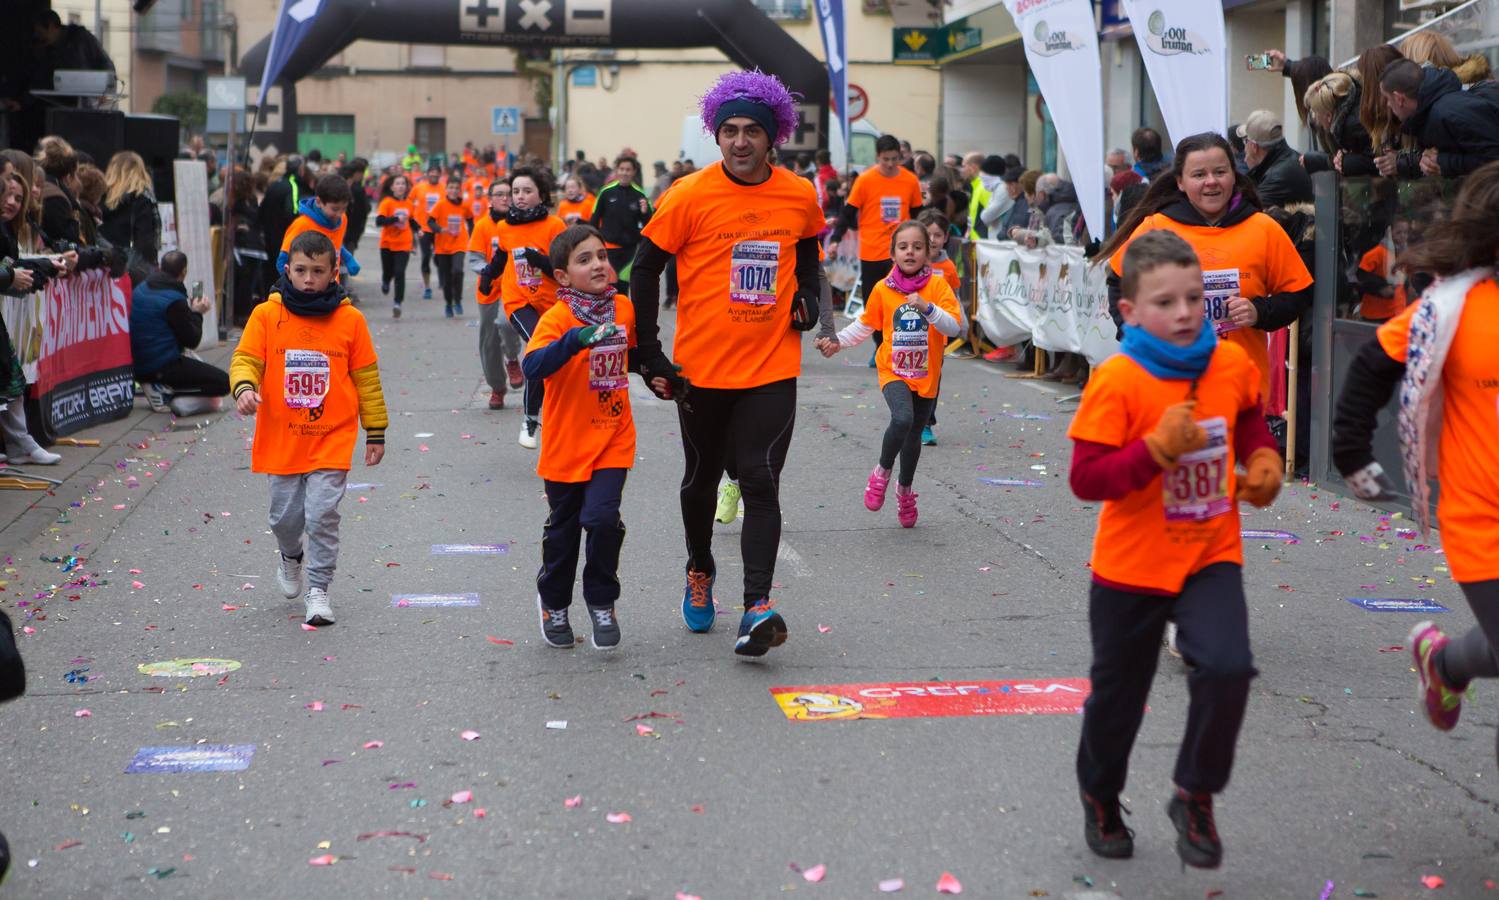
x=99, y=133
x=155, y=139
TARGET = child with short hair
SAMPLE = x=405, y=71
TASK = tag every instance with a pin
x=324, y=214
x=425, y=195
x=448, y=224
x=1156, y=439
x=582, y=348
x=396, y=219
x=576, y=205
x=918, y=312
x=313, y=349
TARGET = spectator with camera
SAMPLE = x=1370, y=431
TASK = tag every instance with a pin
x=165, y=325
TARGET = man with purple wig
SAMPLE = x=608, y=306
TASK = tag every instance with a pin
x=744, y=235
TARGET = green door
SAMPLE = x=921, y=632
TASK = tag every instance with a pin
x=331, y=135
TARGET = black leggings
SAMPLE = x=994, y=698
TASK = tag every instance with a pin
x=871, y=273
x=908, y=415
x=192, y=376
x=754, y=424
x=450, y=276
x=425, y=242
x=1471, y=655
x=393, y=271
x=524, y=321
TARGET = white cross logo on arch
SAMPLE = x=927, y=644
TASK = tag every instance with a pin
x=534, y=14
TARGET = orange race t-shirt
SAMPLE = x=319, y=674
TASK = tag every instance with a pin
x=309, y=410
x=1252, y=259
x=1468, y=458
x=396, y=237
x=485, y=240
x=949, y=270
x=1185, y=519
x=522, y=284
x=1372, y=306
x=305, y=223
x=587, y=404
x=574, y=211
x=912, y=349
x=424, y=196
x=477, y=192
x=736, y=271
x=449, y=227
x=883, y=204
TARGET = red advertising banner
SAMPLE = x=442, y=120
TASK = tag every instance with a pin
x=922, y=699
x=80, y=347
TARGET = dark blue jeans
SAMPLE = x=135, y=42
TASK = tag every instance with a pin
x=1213, y=635
x=591, y=506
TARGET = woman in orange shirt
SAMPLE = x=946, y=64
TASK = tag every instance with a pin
x=521, y=267
x=1440, y=351
x=577, y=204
x=918, y=311
x=1254, y=279
x=396, y=219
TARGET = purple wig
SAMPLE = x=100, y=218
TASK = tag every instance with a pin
x=759, y=88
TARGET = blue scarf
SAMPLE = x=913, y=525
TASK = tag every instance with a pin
x=1166, y=360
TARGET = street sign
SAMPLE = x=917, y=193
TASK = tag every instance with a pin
x=505, y=120
x=226, y=94
x=858, y=103
x=931, y=45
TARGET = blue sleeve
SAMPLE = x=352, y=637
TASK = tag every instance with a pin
x=544, y=362
x=350, y=264
x=281, y=259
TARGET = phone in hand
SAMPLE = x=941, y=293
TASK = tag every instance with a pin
x=1257, y=61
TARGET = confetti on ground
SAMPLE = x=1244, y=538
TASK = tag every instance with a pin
x=618, y=818
x=470, y=735
x=327, y=859
x=573, y=802
x=892, y=885
x=462, y=797
x=947, y=884
x=816, y=873
x=1432, y=882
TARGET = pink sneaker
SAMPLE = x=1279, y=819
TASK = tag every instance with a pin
x=874, y=494
x=905, y=510
x=1442, y=704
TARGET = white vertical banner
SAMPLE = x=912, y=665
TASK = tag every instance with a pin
x=1061, y=46
x=194, y=239
x=1186, y=53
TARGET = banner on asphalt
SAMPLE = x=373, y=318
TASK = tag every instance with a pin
x=926, y=699
x=1061, y=46
x=1051, y=296
x=1185, y=52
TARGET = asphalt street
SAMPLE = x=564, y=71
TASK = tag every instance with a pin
x=416, y=751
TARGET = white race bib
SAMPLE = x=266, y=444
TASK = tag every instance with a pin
x=890, y=208
x=909, y=346
x=403, y=215
x=1217, y=286
x=306, y=379
x=431, y=202
x=525, y=273
x=754, y=269
x=455, y=225
x=606, y=363
x=1197, y=489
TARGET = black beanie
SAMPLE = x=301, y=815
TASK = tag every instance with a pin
x=753, y=109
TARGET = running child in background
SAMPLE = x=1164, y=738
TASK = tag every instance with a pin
x=424, y=196
x=1156, y=439
x=323, y=213
x=919, y=312
x=576, y=204
x=523, y=270
x=448, y=224
x=582, y=348
x=499, y=345
x=476, y=191
x=306, y=369
x=396, y=219
x=1381, y=280
x=938, y=228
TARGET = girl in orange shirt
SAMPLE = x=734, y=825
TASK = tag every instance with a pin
x=448, y=224
x=1440, y=352
x=396, y=219
x=918, y=312
x=577, y=203
x=938, y=231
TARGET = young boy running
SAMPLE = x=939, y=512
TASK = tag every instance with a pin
x=1160, y=429
x=499, y=345
x=425, y=196
x=311, y=351
x=448, y=223
x=323, y=214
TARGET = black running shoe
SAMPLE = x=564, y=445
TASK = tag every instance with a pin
x=605, y=627
x=1196, y=835
x=1104, y=830
x=4, y=858
x=555, y=628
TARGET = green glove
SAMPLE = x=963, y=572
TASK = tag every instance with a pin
x=595, y=333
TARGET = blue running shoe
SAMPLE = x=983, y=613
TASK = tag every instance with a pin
x=928, y=437
x=447, y=311
x=760, y=628
x=458, y=308
x=697, y=602
x=426, y=293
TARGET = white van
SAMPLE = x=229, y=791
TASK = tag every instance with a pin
x=699, y=146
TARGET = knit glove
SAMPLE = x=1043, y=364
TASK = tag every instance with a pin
x=1176, y=433
x=593, y=334
x=1371, y=483
x=1261, y=481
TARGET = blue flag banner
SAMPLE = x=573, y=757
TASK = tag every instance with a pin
x=835, y=46
x=292, y=24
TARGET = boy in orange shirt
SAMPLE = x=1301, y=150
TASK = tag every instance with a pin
x=425, y=195
x=919, y=312
x=576, y=204
x=448, y=223
x=324, y=214
x=582, y=348
x=499, y=344
x=308, y=339
x=1156, y=438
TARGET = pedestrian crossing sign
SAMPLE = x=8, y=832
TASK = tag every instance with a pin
x=506, y=120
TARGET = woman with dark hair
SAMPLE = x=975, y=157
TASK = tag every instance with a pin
x=1303, y=73
x=1394, y=153
x=1255, y=281
x=1440, y=352
x=249, y=247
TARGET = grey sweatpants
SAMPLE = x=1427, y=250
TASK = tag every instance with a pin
x=309, y=503
x=18, y=441
x=497, y=343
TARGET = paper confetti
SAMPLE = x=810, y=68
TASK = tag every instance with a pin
x=462, y=797
x=327, y=859
x=573, y=802
x=816, y=873
x=470, y=735
x=618, y=818
x=1432, y=882
x=892, y=885
x=947, y=884
x=373, y=745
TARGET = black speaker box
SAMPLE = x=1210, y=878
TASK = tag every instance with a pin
x=155, y=139
x=97, y=132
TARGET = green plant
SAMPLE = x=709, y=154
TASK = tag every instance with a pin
x=190, y=109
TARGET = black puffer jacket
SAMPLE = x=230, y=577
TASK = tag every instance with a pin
x=1280, y=178
x=1348, y=135
x=1461, y=125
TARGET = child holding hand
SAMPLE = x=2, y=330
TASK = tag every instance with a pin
x=1161, y=427
x=917, y=312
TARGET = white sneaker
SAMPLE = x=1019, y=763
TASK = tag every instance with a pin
x=1171, y=640
x=183, y=406
x=289, y=578
x=530, y=434
x=42, y=457
x=156, y=397
x=319, y=611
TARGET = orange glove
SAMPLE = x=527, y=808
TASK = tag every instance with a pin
x=1261, y=481
x=1176, y=433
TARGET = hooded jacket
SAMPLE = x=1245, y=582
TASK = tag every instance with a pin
x=1280, y=177
x=1463, y=126
x=1061, y=204
x=1347, y=134
x=333, y=228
